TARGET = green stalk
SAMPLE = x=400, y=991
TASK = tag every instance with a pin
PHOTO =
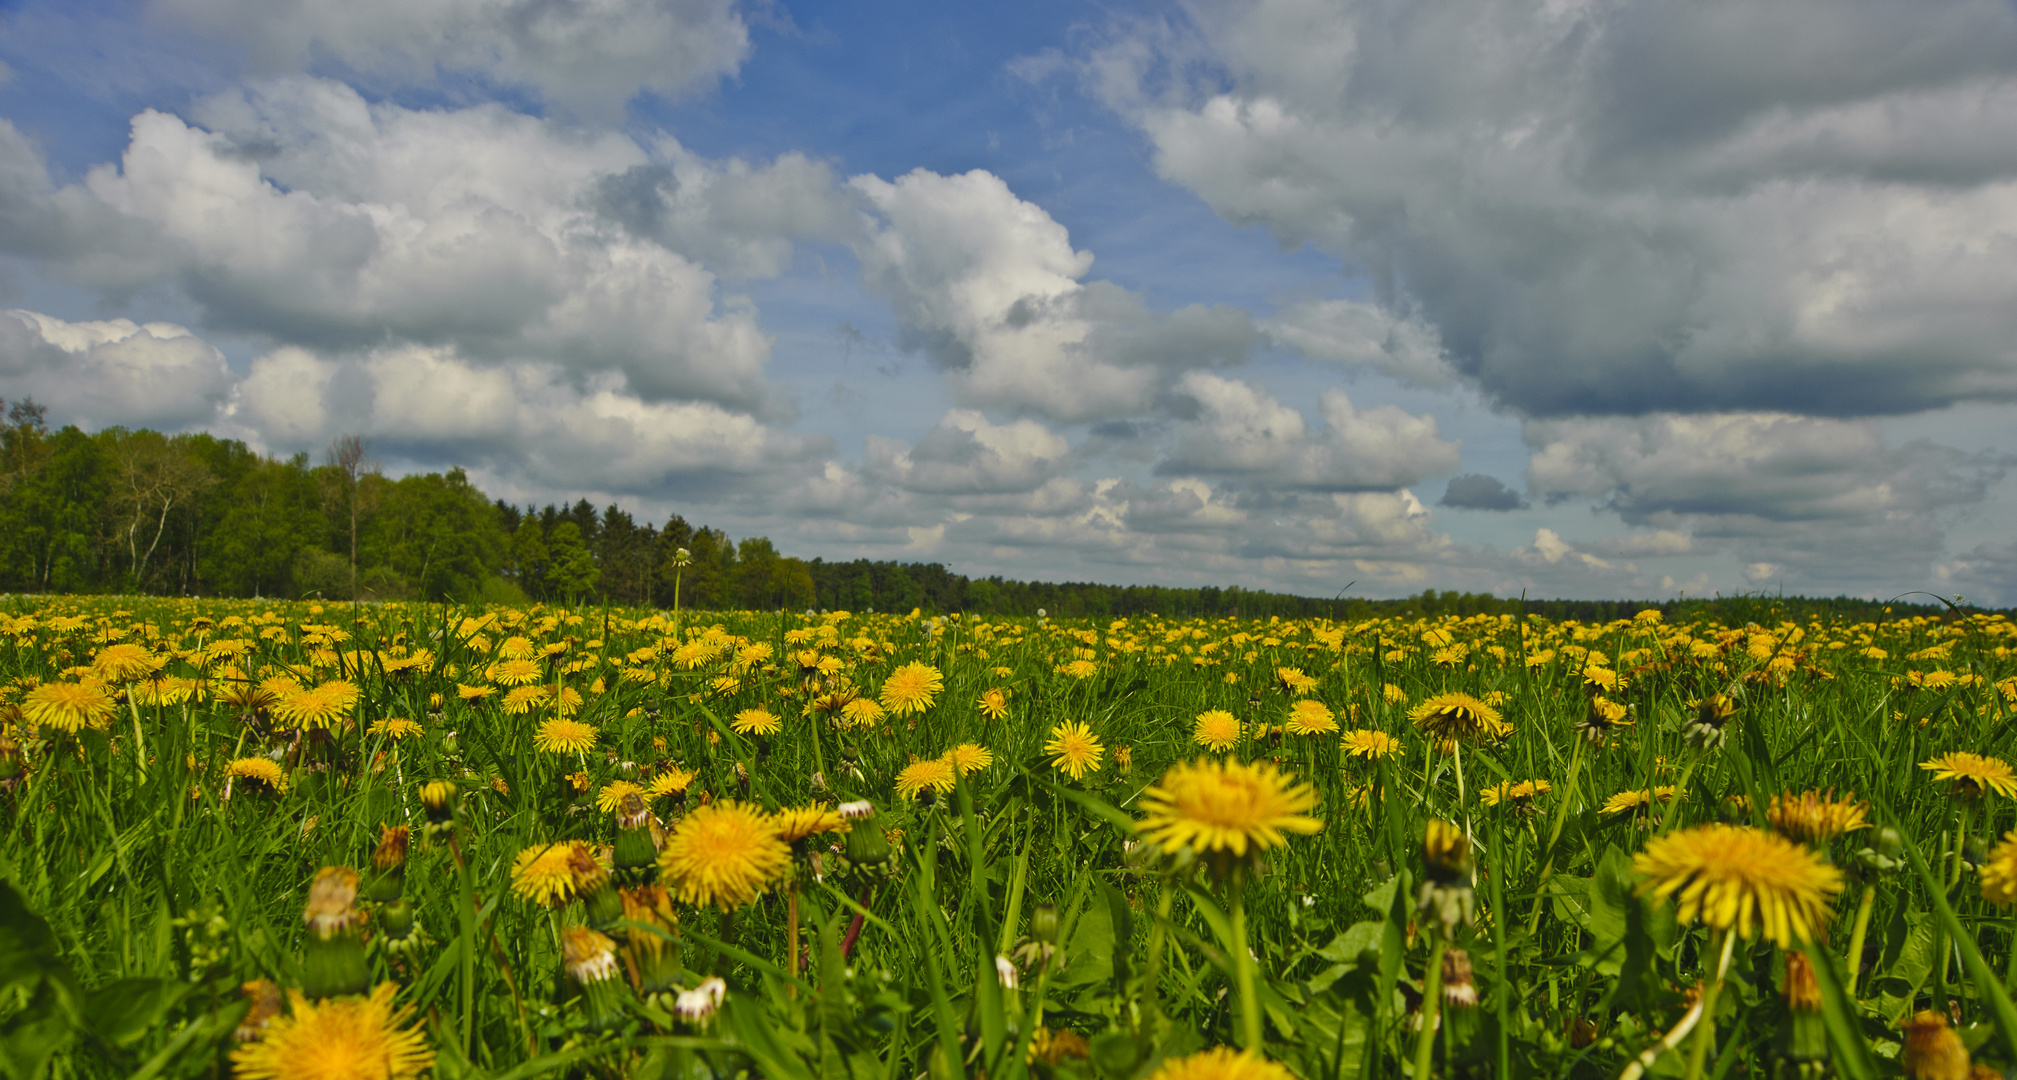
x=1856, y=935
x=1555, y=835
x=1705, y=1031
x=1432, y=999
x=1941, y=945
x=1243, y=967
x=1152, y=977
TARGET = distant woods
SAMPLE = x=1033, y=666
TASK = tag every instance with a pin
x=122, y=511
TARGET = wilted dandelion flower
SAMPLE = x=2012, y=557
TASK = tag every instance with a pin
x=1074, y=749
x=1221, y=1063
x=1216, y=730
x=1371, y=745
x=993, y=704
x=911, y=689
x=723, y=854
x=1310, y=718
x=339, y=1039
x=758, y=721
x=1736, y=877
x=933, y=775
x=1814, y=818
x=1458, y=716
x=1226, y=810
x=561, y=735
x=1933, y=1051
x=1973, y=774
x=68, y=706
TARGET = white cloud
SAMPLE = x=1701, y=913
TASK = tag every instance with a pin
x=965, y=454
x=989, y=286
x=1359, y=336
x=1241, y=431
x=114, y=372
x=1623, y=207
x=589, y=55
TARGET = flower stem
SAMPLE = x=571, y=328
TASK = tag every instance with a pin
x=1243, y=968
x=1856, y=935
x=1432, y=1000
x=1555, y=835
x=1705, y=1032
x=1941, y=946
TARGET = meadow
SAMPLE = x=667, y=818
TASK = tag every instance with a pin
x=290, y=840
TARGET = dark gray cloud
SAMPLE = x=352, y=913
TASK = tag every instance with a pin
x=1625, y=207
x=1476, y=491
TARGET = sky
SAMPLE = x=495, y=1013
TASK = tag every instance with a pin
x=1619, y=298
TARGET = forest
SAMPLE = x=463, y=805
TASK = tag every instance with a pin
x=123, y=511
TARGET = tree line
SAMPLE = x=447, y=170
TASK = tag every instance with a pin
x=139, y=511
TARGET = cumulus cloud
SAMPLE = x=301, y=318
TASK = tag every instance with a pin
x=1235, y=429
x=1359, y=336
x=1476, y=491
x=965, y=454
x=1624, y=207
x=114, y=372
x=989, y=287
x=307, y=215
x=588, y=55
x=528, y=422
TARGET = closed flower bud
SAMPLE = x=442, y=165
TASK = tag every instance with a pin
x=1044, y=923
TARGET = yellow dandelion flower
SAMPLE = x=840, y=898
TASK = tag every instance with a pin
x=1973, y=774
x=544, y=873
x=1294, y=681
x=520, y=700
x=797, y=824
x=993, y=704
x=515, y=672
x=1635, y=801
x=1074, y=749
x=1816, y=818
x=1080, y=669
x=612, y=793
x=125, y=663
x=861, y=712
x=758, y=721
x=563, y=736
x=673, y=781
x=911, y=689
x=1226, y=808
x=969, y=758
x=1216, y=730
x=258, y=773
x=1736, y=877
x=68, y=706
x=932, y=774
x=338, y=1039
x=394, y=728
x=1371, y=745
x=1999, y=873
x=1221, y=1063
x=723, y=854
x=311, y=710
x=1310, y=717
x=1458, y=716
x=474, y=693
x=516, y=648
x=1505, y=791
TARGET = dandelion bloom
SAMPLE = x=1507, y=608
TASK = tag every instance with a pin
x=911, y=689
x=339, y=1039
x=309, y=710
x=724, y=854
x=1371, y=745
x=862, y=713
x=969, y=758
x=1737, y=877
x=1229, y=807
x=673, y=781
x=125, y=663
x=474, y=693
x=1999, y=873
x=544, y=873
x=1505, y=791
x=1932, y=1049
x=1294, y=680
x=1973, y=773
x=797, y=824
x=931, y=774
x=1310, y=718
x=612, y=793
x=394, y=728
x=1634, y=801
x=1221, y=1063
x=1080, y=669
x=258, y=772
x=520, y=672
x=68, y=706
x=523, y=699
x=1815, y=818
x=1458, y=716
x=1074, y=749
x=758, y=721
x=563, y=736
x=993, y=704
x=1216, y=730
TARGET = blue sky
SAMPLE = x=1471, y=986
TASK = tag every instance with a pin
x=1575, y=299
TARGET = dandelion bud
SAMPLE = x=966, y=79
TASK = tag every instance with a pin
x=698, y=1005
x=1459, y=990
x=1803, y=1035
x=333, y=952
x=1006, y=972
x=1446, y=866
x=395, y=920
x=437, y=797
x=867, y=846
x=652, y=944
x=1044, y=923
x=388, y=865
x=590, y=960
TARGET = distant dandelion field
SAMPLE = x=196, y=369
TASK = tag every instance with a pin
x=289, y=840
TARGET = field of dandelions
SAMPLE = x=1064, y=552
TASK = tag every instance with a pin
x=288, y=841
